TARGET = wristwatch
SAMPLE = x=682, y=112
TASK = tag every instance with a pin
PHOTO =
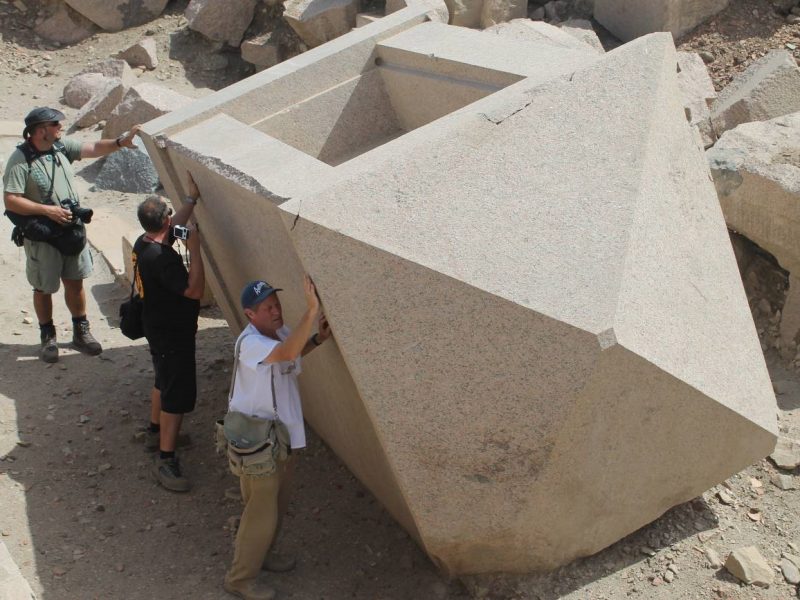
x=190, y=200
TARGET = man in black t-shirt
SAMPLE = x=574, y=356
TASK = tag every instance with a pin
x=171, y=297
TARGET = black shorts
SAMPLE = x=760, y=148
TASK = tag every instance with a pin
x=176, y=376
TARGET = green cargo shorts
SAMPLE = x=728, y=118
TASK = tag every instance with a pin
x=46, y=266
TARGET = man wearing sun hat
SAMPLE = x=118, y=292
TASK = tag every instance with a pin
x=269, y=359
x=39, y=181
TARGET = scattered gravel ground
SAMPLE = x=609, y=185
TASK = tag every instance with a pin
x=83, y=518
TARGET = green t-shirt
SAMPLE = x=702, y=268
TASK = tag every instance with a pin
x=46, y=168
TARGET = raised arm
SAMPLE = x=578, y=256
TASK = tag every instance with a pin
x=292, y=346
x=105, y=147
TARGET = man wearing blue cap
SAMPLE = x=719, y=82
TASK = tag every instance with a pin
x=269, y=363
x=39, y=181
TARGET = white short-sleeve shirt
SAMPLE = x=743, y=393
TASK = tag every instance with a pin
x=252, y=391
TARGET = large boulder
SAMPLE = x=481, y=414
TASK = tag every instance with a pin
x=318, y=21
x=114, y=15
x=629, y=19
x=80, y=89
x=768, y=88
x=221, y=20
x=501, y=11
x=756, y=169
x=539, y=325
x=65, y=26
x=142, y=103
x=698, y=93
x=99, y=107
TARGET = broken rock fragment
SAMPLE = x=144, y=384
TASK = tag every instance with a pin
x=99, y=107
x=261, y=51
x=768, y=88
x=142, y=103
x=142, y=54
x=318, y=21
x=221, y=20
x=786, y=454
x=748, y=566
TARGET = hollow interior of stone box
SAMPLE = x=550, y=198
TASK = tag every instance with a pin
x=381, y=104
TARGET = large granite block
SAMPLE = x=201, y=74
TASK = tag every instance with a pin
x=535, y=306
x=629, y=19
x=768, y=88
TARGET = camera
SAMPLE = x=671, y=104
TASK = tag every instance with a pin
x=78, y=213
x=180, y=232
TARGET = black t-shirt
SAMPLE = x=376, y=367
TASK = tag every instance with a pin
x=161, y=280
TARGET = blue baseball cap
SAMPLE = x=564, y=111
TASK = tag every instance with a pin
x=256, y=292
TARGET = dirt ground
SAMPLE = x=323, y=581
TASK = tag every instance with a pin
x=83, y=518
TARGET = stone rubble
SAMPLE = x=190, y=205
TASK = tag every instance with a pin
x=142, y=54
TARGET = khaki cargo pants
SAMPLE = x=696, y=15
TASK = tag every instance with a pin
x=265, y=501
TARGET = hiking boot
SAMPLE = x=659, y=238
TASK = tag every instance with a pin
x=278, y=563
x=83, y=339
x=152, y=440
x=49, y=351
x=167, y=472
x=248, y=591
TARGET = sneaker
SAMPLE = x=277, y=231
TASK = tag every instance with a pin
x=49, y=351
x=248, y=591
x=152, y=440
x=167, y=472
x=278, y=563
x=83, y=339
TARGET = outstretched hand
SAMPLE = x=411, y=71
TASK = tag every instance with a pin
x=194, y=191
x=126, y=141
x=323, y=328
x=312, y=300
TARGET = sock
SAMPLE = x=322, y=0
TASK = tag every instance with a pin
x=154, y=427
x=76, y=320
x=48, y=325
x=165, y=455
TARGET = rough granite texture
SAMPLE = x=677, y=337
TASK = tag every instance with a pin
x=128, y=170
x=221, y=20
x=141, y=103
x=756, y=169
x=523, y=308
x=768, y=88
x=114, y=15
x=318, y=21
x=629, y=19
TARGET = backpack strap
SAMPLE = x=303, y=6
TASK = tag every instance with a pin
x=30, y=153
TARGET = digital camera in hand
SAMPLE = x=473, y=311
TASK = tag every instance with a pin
x=180, y=232
x=78, y=212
